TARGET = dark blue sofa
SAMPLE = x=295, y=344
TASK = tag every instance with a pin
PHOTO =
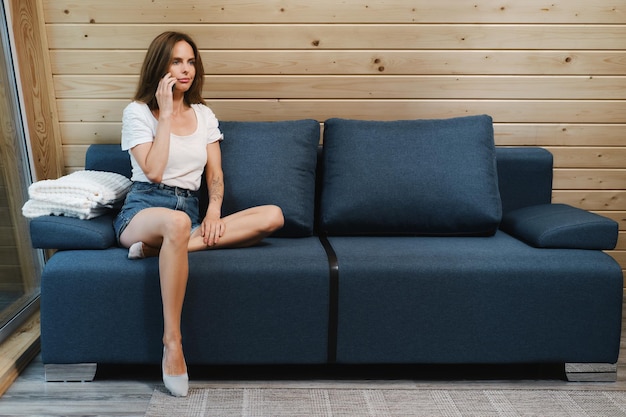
x=405, y=242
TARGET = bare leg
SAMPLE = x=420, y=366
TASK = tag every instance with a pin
x=168, y=230
x=244, y=228
x=165, y=233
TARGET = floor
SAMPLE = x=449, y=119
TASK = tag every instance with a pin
x=126, y=390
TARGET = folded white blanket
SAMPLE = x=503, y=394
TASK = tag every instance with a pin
x=82, y=194
x=36, y=208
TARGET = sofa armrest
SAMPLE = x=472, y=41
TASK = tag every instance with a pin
x=64, y=233
x=561, y=226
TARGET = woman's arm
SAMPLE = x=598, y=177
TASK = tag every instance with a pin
x=152, y=156
x=212, y=226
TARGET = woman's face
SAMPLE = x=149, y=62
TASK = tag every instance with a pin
x=183, y=66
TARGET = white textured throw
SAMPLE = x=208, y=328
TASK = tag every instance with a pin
x=82, y=194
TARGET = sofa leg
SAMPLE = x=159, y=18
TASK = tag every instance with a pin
x=591, y=372
x=70, y=372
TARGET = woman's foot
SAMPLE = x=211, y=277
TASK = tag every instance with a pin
x=140, y=250
x=136, y=251
x=177, y=383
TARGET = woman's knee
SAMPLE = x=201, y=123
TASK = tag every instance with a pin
x=178, y=227
x=274, y=218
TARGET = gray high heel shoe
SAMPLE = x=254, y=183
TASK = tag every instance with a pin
x=177, y=385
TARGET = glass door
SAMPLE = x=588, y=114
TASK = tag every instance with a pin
x=20, y=265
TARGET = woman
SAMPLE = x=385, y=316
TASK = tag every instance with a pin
x=172, y=136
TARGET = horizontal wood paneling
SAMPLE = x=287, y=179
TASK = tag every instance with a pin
x=550, y=74
x=502, y=111
x=570, y=157
x=592, y=200
x=560, y=134
x=399, y=11
x=349, y=62
x=621, y=241
x=341, y=36
x=365, y=87
x=601, y=179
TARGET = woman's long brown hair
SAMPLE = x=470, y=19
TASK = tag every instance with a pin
x=156, y=64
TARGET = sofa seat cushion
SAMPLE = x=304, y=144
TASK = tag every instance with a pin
x=561, y=226
x=261, y=305
x=410, y=177
x=474, y=300
x=272, y=163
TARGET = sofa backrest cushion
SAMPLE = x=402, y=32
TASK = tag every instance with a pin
x=272, y=163
x=410, y=177
x=108, y=157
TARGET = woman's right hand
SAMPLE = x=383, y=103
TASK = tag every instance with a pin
x=152, y=156
x=164, y=94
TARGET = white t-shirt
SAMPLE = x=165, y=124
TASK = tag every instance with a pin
x=187, y=157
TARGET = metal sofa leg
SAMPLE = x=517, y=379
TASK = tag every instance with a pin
x=591, y=372
x=70, y=372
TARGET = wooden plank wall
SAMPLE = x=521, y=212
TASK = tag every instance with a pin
x=550, y=73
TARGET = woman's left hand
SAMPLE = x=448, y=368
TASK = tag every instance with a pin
x=212, y=230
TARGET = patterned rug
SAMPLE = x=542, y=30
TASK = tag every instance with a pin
x=313, y=402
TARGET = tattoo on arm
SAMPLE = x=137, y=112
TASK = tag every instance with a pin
x=216, y=189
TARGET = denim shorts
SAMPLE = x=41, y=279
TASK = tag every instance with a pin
x=144, y=195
